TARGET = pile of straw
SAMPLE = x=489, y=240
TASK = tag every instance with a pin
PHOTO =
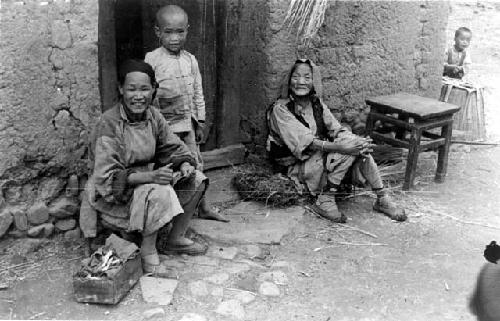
x=258, y=183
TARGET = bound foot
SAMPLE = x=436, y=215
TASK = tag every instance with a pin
x=386, y=206
x=326, y=207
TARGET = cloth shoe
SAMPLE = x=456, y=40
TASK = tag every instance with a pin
x=386, y=206
x=326, y=207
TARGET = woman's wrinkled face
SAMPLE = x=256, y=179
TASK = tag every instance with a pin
x=137, y=91
x=301, y=80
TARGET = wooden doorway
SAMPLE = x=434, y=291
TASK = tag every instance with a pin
x=126, y=31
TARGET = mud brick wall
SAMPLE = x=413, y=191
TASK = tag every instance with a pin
x=363, y=48
x=50, y=100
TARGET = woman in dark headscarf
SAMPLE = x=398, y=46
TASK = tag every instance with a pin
x=317, y=151
x=136, y=162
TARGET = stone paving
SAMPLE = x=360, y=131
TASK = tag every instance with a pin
x=229, y=277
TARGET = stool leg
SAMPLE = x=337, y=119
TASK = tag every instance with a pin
x=369, y=124
x=442, y=165
x=400, y=132
x=411, y=165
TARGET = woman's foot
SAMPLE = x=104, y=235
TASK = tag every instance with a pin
x=386, y=206
x=206, y=213
x=326, y=207
x=211, y=215
x=150, y=262
x=185, y=246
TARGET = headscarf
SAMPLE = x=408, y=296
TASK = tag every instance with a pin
x=317, y=83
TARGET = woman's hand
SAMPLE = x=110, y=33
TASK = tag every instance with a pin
x=162, y=175
x=186, y=169
x=361, y=146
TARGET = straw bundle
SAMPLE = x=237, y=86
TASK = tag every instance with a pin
x=258, y=183
x=306, y=16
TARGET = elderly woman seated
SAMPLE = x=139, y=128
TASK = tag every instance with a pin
x=137, y=161
x=316, y=150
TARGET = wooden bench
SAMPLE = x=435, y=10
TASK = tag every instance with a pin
x=414, y=115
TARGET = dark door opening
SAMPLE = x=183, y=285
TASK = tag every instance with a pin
x=126, y=31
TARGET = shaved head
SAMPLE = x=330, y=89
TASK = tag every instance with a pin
x=171, y=13
x=172, y=27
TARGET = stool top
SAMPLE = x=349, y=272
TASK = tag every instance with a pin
x=412, y=105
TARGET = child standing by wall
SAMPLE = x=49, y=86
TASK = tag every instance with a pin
x=456, y=59
x=180, y=93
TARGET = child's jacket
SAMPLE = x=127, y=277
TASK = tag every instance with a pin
x=180, y=93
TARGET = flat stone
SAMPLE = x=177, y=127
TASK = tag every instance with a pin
x=38, y=213
x=244, y=297
x=73, y=235
x=281, y=264
x=225, y=253
x=20, y=219
x=43, y=230
x=218, y=278
x=278, y=277
x=153, y=314
x=236, y=268
x=64, y=207
x=6, y=220
x=231, y=308
x=250, y=224
x=50, y=187
x=217, y=292
x=72, y=187
x=192, y=317
x=158, y=290
x=269, y=289
x=65, y=225
x=198, y=288
x=202, y=260
x=252, y=250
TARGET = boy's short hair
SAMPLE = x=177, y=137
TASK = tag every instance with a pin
x=172, y=9
x=460, y=30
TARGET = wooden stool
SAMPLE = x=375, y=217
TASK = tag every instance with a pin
x=416, y=115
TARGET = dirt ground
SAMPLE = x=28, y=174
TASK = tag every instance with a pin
x=483, y=18
x=423, y=269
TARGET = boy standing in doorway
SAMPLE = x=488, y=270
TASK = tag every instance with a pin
x=180, y=93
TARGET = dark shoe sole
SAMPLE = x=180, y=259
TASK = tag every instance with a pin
x=193, y=249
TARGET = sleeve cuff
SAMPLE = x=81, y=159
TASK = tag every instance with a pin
x=119, y=184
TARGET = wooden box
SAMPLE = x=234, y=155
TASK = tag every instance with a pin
x=109, y=290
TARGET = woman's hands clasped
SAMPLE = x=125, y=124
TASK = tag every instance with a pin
x=360, y=147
